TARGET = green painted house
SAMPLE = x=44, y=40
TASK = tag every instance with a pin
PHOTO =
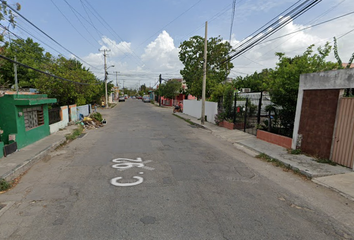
x=24, y=118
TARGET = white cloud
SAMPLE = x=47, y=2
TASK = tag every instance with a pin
x=117, y=49
x=162, y=55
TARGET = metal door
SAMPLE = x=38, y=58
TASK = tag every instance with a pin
x=343, y=144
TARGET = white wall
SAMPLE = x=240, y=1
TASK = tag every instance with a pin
x=194, y=109
x=55, y=127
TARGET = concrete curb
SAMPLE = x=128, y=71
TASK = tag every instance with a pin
x=27, y=164
x=347, y=196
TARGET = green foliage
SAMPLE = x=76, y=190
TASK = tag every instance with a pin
x=4, y=185
x=27, y=52
x=340, y=64
x=219, y=117
x=257, y=82
x=192, y=57
x=5, y=12
x=170, y=89
x=295, y=151
x=228, y=101
x=76, y=133
x=217, y=92
x=284, y=83
x=97, y=116
x=69, y=92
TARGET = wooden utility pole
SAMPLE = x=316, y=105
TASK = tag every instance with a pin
x=205, y=71
x=105, y=75
x=160, y=80
x=16, y=81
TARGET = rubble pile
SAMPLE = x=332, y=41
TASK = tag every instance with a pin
x=91, y=123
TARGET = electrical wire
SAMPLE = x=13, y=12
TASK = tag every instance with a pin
x=74, y=12
x=268, y=31
x=14, y=10
x=46, y=73
x=71, y=24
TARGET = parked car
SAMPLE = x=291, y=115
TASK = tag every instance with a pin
x=121, y=99
x=146, y=98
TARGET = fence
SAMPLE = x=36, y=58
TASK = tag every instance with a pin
x=194, y=108
x=256, y=111
x=54, y=115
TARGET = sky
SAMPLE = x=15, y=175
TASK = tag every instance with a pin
x=143, y=36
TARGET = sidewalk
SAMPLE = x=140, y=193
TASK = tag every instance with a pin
x=19, y=162
x=337, y=178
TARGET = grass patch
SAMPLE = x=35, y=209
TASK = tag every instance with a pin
x=112, y=105
x=77, y=132
x=278, y=163
x=186, y=120
x=326, y=161
x=294, y=151
x=4, y=185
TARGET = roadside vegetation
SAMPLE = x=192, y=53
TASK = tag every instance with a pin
x=277, y=163
x=4, y=185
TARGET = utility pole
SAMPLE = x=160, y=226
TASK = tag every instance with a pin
x=116, y=77
x=117, y=91
x=160, y=79
x=105, y=74
x=204, y=75
x=16, y=81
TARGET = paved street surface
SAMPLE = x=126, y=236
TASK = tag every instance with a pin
x=150, y=175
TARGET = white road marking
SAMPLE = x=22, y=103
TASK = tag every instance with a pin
x=122, y=164
x=114, y=181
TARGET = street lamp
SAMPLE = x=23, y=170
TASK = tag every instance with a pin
x=105, y=80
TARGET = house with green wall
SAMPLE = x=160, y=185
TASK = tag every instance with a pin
x=24, y=119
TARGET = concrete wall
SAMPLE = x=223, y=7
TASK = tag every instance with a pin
x=194, y=108
x=72, y=113
x=85, y=110
x=336, y=79
x=64, y=114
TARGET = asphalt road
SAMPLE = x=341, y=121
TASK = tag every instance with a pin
x=150, y=175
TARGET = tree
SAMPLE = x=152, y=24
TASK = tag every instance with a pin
x=192, y=57
x=284, y=80
x=70, y=92
x=170, y=89
x=257, y=82
x=27, y=52
x=5, y=12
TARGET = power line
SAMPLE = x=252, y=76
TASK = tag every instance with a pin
x=72, y=24
x=272, y=28
x=110, y=29
x=46, y=73
x=14, y=10
x=74, y=12
x=232, y=17
x=314, y=25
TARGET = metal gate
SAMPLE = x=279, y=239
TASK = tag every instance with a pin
x=343, y=145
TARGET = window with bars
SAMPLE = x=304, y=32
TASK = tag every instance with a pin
x=33, y=117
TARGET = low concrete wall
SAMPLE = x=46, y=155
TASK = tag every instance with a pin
x=64, y=114
x=274, y=138
x=1, y=149
x=194, y=109
x=72, y=113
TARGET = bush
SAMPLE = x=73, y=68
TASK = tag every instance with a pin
x=77, y=132
x=97, y=116
x=4, y=185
